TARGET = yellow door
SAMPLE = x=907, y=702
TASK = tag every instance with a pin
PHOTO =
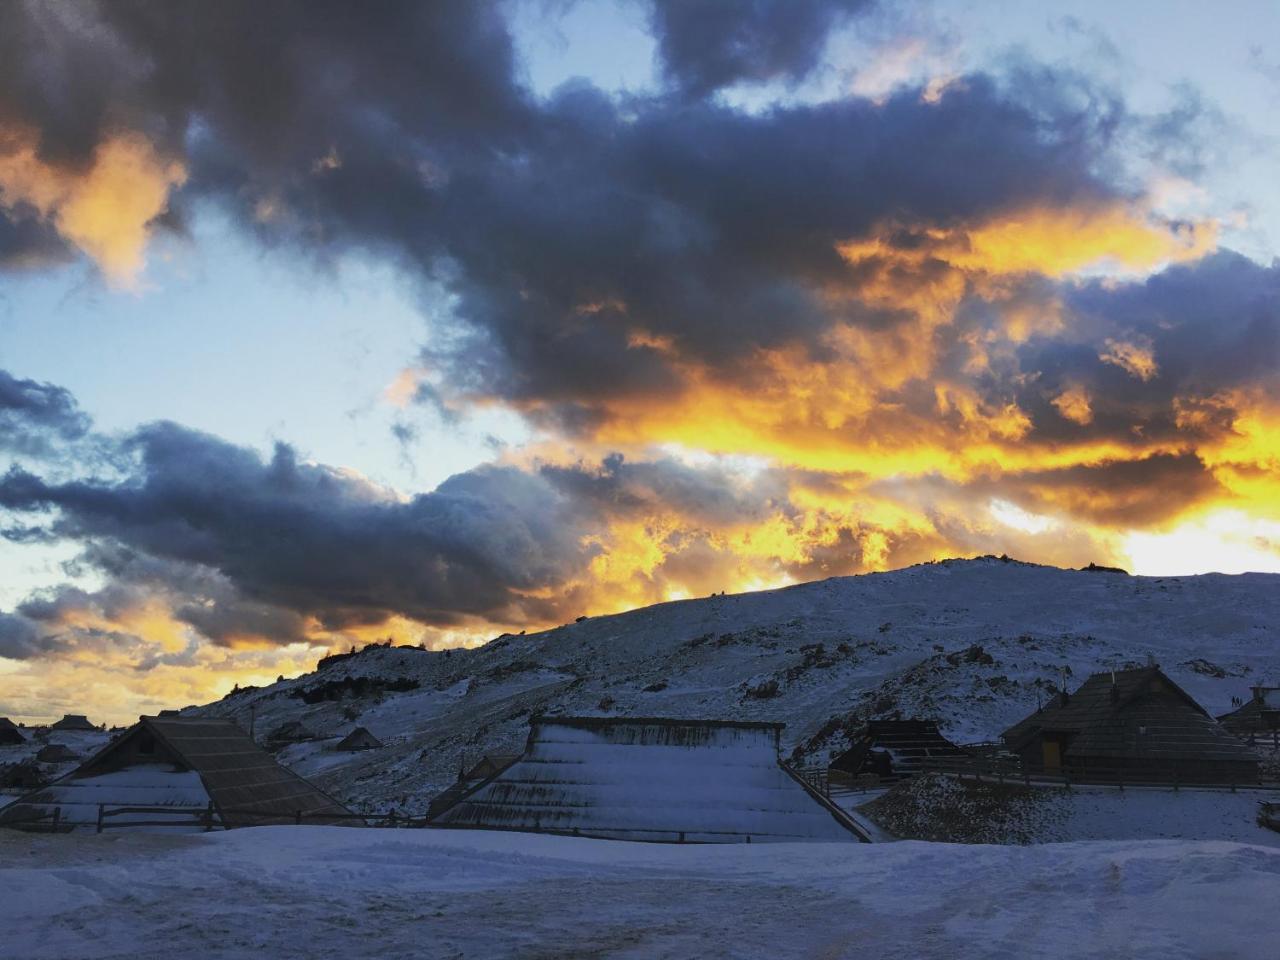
x=1052, y=755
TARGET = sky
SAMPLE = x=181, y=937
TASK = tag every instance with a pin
x=324, y=324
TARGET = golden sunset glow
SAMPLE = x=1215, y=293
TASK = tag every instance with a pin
x=106, y=209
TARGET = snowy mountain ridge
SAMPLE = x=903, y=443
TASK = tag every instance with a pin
x=972, y=643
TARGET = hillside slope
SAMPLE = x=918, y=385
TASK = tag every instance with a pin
x=971, y=643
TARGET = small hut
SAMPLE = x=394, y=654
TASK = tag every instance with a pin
x=189, y=764
x=10, y=732
x=892, y=749
x=74, y=721
x=56, y=753
x=292, y=731
x=695, y=781
x=359, y=739
x=1131, y=723
x=1258, y=719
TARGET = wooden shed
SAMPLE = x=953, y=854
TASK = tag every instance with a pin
x=359, y=739
x=73, y=721
x=292, y=731
x=185, y=764
x=1131, y=723
x=10, y=732
x=892, y=749
x=666, y=780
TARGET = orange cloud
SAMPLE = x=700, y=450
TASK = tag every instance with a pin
x=104, y=209
x=1133, y=356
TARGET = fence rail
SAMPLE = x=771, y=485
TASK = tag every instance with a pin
x=51, y=822
x=1009, y=770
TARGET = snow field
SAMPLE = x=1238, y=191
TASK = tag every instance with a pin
x=294, y=892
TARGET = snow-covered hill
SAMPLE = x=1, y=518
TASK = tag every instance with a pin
x=972, y=643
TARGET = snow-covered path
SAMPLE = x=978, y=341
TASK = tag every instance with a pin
x=295, y=892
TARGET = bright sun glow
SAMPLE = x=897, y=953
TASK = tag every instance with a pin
x=1224, y=541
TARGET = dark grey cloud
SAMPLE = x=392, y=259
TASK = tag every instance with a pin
x=19, y=639
x=36, y=417
x=311, y=540
x=1211, y=328
x=705, y=45
x=559, y=227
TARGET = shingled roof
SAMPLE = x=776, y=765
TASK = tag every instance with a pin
x=653, y=779
x=1137, y=714
x=10, y=732
x=1260, y=714
x=181, y=761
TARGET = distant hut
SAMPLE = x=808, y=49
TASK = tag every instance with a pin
x=892, y=749
x=293, y=731
x=10, y=732
x=56, y=753
x=1258, y=719
x=359, y=739
x=74, y=721
x=24, y=775
x=697, y=781
x=188, y=764
x=1136, y=723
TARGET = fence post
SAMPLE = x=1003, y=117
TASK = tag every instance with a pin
x=297, y=818
x=682, y=836
x=101, y=807
x=1176, y=778
x=208, y=817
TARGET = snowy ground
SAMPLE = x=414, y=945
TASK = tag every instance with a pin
x=942, y=808
x=295, y=892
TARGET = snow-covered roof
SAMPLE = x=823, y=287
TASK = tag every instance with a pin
x=650, y=779
x=161, y=761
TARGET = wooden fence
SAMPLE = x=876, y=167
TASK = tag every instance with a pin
x=1011, y=770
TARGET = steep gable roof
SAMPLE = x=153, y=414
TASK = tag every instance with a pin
x=10, y=732
x=246, y=784
x=1132, y=714
x=1098, y=697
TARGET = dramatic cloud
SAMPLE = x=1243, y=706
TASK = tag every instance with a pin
x=709, y=44
x=35, y=417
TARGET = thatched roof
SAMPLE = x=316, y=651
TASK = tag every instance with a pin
x=1132, y=715
x=73, y=721
x=649, y=779
x=907, y=743
x=359, y=739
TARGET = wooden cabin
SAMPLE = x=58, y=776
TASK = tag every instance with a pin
x=666, y=780
x=10, y=733
x=359, y=739
x=73, y=721
x=1258, y=719
x=185, y=764
x=292, y=731
x=1131, y=723
x=893, y=749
